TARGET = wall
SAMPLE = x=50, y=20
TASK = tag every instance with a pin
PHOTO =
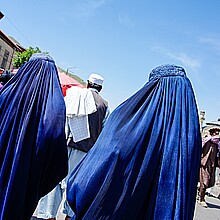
x=5, y=47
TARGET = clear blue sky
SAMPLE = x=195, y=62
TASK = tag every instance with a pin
x=123, y=40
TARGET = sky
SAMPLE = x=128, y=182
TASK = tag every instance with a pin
x=123, y=40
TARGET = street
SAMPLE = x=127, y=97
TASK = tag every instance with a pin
x=213, y=210
x=210, y=213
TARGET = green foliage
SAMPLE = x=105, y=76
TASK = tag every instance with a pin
x=22, y=57
x=77, y=78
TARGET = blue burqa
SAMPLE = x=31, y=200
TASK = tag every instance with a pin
x=145, y=163
x=33, y=154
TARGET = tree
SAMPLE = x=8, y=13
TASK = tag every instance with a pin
x=22, y=57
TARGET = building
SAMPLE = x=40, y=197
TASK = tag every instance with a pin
x=7, y=51
x=8, y=48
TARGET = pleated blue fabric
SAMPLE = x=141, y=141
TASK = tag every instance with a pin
x=145, y=163
x=33, y=152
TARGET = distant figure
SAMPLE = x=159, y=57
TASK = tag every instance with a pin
x=5, y=77
x=87, y=113
x=145, y=163
x=210, y=160
x=33, y=153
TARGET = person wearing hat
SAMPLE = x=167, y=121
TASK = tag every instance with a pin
x=86, y=113
x=209, y=162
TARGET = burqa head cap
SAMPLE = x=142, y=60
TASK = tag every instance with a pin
x=41, y=56
x=167, y=70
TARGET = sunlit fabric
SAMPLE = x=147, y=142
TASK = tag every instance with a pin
x=145, y=163
x=33, y=153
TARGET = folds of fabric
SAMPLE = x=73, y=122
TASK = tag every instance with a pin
x=33, y=153
x=79, y=104
x=145, y=163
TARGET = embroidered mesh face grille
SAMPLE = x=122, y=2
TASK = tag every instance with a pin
x=167, y=70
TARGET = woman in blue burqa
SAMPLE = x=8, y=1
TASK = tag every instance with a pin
x=145, y=163
x=33, y=154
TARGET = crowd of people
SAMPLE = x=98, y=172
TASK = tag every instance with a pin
x=142, y=161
